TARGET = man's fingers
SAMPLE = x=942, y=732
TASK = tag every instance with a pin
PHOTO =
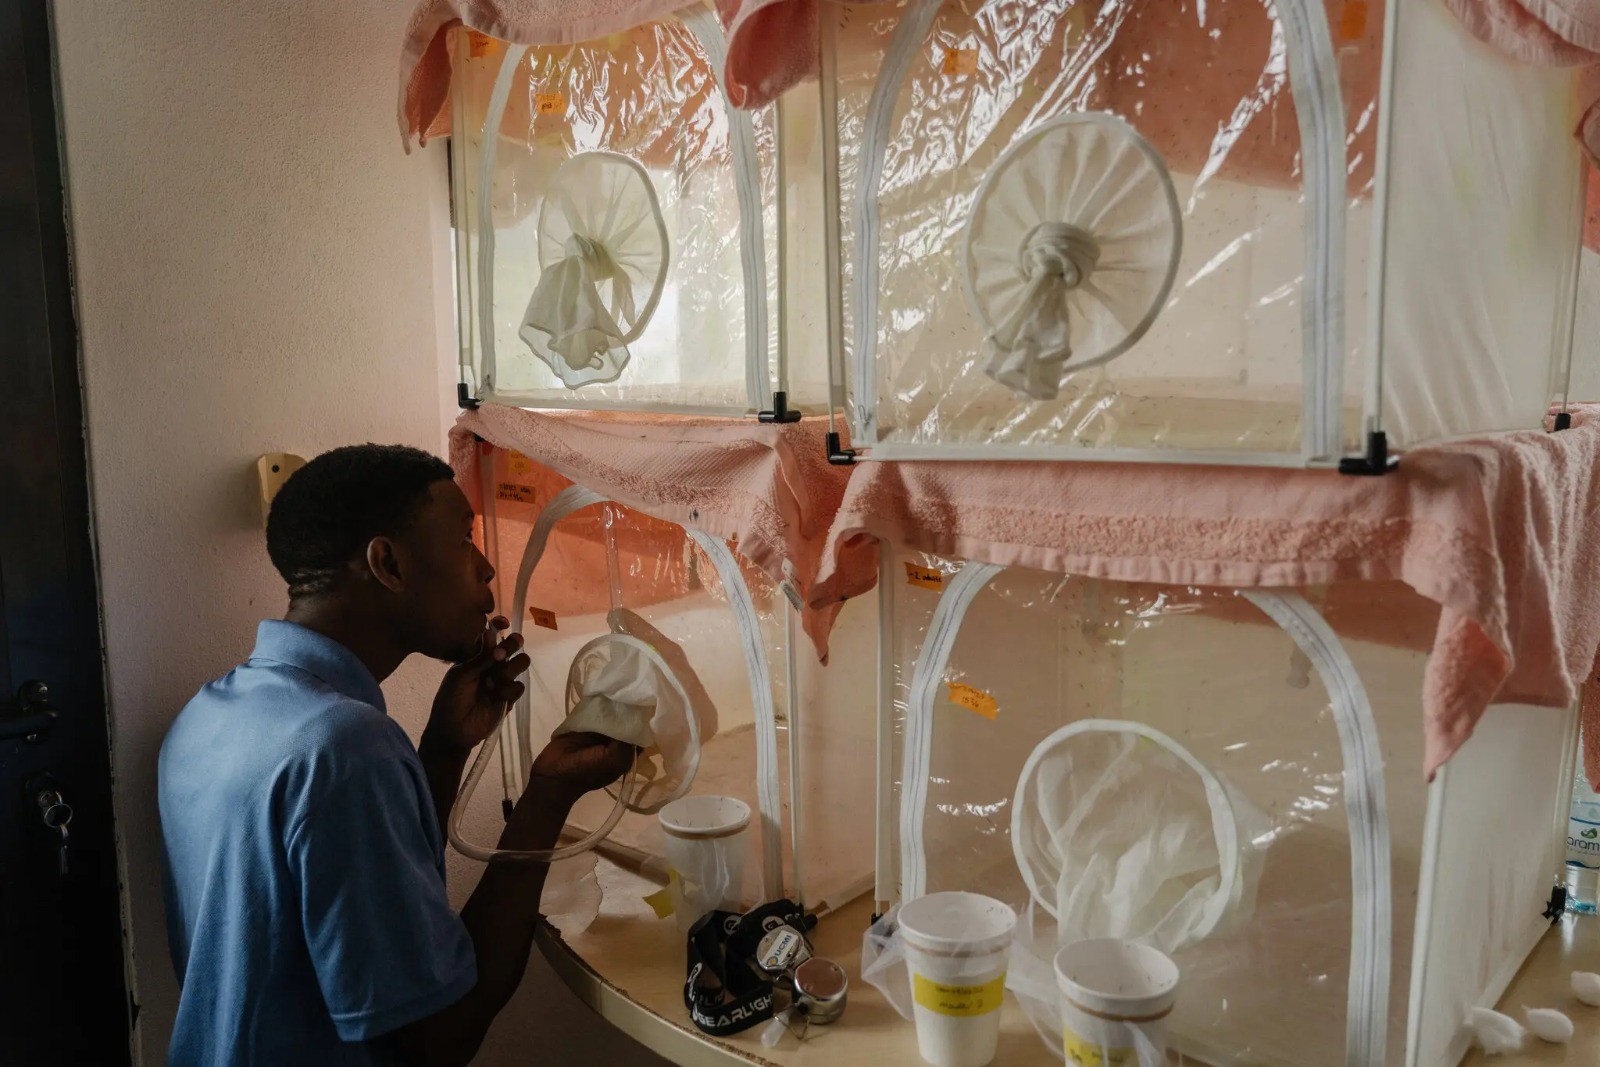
x=513, y=667
x=507, y=648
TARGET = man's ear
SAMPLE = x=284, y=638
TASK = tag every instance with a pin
x=383, y=561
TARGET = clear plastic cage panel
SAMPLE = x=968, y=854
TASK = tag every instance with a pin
x=617, y=225
x=1153, y=715
x=1480, y=235
x=1145, y=167
x=608, y=569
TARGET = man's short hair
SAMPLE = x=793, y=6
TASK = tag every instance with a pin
x=330, y=509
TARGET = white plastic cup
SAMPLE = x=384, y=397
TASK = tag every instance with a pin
x=956, y=948
x=706, y=842
x=1109, y=989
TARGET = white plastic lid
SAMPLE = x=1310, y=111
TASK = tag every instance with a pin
x=957, y=924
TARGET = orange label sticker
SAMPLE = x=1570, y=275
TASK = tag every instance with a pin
x=960, y=61
x=519, y=465
x=924, y=577
x=1352, y=20
x=973, y=699
x=544, y=618
x=517, y=494
x=481, y=44
x=549, y=103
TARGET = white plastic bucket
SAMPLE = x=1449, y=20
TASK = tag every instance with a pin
x=956, y=946
x=1112, y=993
x=707, y=837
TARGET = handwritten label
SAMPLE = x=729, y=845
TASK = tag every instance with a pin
x=1084, y=1053
x=549, y=103
x=518, y=465
x=973, y=699
x=481, y=44
x=518, y=494
x=961, y=1001
x=959, y=61
x=1352, y=21
x=544, y=618
x=924, y=577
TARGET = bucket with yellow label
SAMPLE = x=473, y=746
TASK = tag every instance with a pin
x=1115, y=999
x=956, y=947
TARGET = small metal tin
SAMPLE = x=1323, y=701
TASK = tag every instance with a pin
x=820, y=988
x=781, y=951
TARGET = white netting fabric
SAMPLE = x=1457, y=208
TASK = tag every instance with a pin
x=1120, y=832
x=603, y=262
x=641, y=689
x=1072, y=246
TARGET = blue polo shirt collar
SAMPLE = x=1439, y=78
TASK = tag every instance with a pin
x=294, y=645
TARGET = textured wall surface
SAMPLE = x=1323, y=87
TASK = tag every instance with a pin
x=260, y=268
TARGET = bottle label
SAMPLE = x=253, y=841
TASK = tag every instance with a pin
x=1583, y=843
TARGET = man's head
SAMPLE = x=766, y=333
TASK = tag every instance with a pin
x=381, y=531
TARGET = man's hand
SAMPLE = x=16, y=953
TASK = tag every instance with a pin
x=474, y=695
x=575, y=764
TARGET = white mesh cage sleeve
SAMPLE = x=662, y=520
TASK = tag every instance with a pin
x=1121, y=832
x=621, y=687
x=603, y=259
x=1071, y=248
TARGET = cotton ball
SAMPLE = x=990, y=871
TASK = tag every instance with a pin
x=1586, y=987
x=1497, y=1034
x=1549, y=1025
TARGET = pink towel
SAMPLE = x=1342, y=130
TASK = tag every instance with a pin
x=768, y=487
x=425, y=55
x=772, y=45
x=1500, y=532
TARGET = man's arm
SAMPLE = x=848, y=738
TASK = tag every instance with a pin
x=443, y=763
x=472, y=700
x=502, y=914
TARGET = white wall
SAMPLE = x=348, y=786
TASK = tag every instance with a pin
x=259, y=268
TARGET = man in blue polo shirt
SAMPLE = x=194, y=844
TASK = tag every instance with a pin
x=306, y=905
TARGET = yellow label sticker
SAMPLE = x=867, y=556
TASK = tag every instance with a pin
x=924, y=577
x=518, y=465
x=960, y=61
x=973, y=699
x=661, y=901
x=518, y=494
x=958, y=1000
x=549, y=103
x=1085, y=1053
x=544, y=618
x=481, y=44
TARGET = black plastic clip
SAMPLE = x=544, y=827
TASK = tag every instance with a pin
x=838, y=455
x=781, y=412
x=1563, y=421
x=465, y=400
x=1558, y=904
x=1376, y=460
x=506, y=807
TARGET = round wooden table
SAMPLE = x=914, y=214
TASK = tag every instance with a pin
x=629, y=967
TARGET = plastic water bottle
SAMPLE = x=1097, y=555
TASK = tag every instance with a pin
x=1583, y=847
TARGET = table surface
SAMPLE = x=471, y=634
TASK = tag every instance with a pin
x=628, y=966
